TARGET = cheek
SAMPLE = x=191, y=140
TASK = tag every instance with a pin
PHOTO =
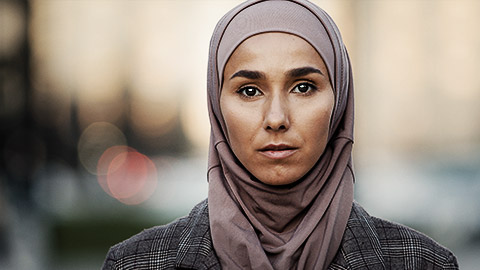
x=316, y=125
x=240, y=124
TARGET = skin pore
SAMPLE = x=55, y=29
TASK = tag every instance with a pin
x=277, y=102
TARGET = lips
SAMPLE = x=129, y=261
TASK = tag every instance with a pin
x=278, y=151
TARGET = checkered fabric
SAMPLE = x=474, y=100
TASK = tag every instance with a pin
x=183, y=244
x=368, y=243
x=373, y=243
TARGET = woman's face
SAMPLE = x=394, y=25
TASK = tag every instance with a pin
x=277, y=102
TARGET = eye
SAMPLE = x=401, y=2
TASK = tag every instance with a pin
x=303, y=88
x=249, y=91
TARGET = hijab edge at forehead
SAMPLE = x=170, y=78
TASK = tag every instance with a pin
x=312, y=10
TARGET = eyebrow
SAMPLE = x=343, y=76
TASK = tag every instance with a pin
x=249, y=74
x=296, y=72
x=302, y=71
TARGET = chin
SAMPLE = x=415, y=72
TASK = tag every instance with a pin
x=278, y=181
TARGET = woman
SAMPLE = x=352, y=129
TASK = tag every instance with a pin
x=280, y=96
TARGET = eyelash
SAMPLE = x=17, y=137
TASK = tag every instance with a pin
x=243, y=94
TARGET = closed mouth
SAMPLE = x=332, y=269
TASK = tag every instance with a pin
x=278, y=151
x=277, y=147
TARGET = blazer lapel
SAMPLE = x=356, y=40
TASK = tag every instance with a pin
x=360, y=247
x=195, y=249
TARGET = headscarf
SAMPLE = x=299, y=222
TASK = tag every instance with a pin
x=246, y=215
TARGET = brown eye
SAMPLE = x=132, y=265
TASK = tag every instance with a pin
x=249, y=91
x=303, y=88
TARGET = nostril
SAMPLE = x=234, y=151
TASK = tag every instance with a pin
x=281, y=127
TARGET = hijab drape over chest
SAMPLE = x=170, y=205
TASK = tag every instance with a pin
x=298, y=226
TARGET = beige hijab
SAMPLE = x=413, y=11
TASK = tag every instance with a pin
x=251, y=222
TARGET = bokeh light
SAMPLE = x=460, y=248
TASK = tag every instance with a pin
x=104, y=164
x=93, y=142
x=126, y=174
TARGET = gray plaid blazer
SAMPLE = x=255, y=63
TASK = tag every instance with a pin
x=368, y=243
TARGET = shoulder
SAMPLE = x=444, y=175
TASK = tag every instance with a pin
x=371, y=241
x=416, y=250
x=184, y=243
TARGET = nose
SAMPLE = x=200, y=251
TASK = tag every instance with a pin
x=276, y=114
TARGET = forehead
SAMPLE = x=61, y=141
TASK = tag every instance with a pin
x=274, y=48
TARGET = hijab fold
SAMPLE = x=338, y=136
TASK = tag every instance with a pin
x=296, y=226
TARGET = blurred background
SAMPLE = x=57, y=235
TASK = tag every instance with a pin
x=104, y=128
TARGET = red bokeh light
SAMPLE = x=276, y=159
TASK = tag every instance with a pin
x=126, y=174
